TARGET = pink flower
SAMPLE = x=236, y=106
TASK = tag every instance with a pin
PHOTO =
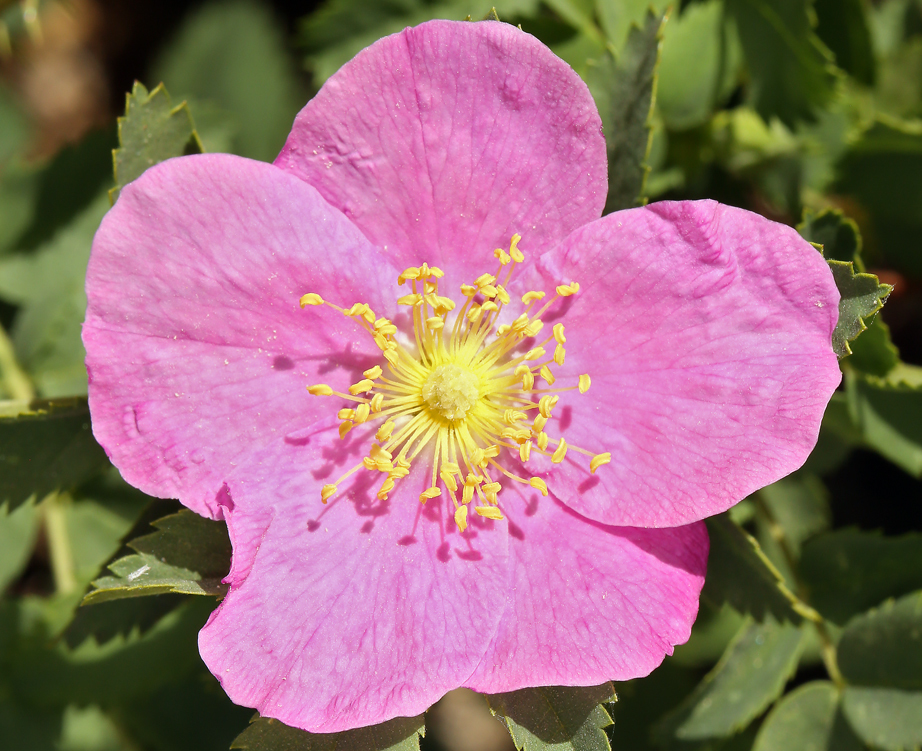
x=704, y=331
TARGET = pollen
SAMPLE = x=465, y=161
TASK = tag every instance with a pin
x=459, y=394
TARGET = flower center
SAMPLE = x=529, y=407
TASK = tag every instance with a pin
x=450, y=391
x=468, y=392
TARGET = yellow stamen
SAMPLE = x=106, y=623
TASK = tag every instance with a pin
x=584, y=383
x=490, y=512
x=598, y=460
x=319, y=389
x=311, y=298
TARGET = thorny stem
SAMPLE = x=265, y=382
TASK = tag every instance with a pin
x=827, y=647
x=15, y=381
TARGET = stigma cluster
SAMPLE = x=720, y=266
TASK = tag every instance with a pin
x=468, y=390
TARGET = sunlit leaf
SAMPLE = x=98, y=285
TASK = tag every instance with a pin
x=807, y=718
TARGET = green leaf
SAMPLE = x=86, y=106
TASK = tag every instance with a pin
x=844, y=29
x=17, y=537
x=45, y=445
x=14, y=128
x=739, y=573
x=233, y=55
x=862, y=296
x=888, y=413
x=48, y=284
x=799, y=505
x=882, y=171
x=142, y=575
x=556, y=718
x=751, y=674
x=849, y=571
x=883, y=647
x=885, y=718
x=790, y=68
x=625, y=94
x=838, y=235
x=807, y=718
x=264, y=734
x=874, y=352
x=700, y=62
x=151, y=131
x=838, y=436
x=190, y=541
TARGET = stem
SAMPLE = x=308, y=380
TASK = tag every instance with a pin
x=59, y=550
x=14, y=378
x=828, y=648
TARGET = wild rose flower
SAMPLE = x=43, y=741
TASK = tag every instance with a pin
x=477, y=452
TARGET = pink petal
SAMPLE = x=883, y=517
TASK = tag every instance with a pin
x=352, y=613
x=197, y=350
x=706, y=331
x=444, y=140
x=588, y=603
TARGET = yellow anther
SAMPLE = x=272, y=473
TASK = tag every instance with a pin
x=471, y=480
x=565, y=290
x=401, y=461
x=412, y=299
x=467, y=494
x=525, y=451
x=319, y=389
x=546, y=403
x=560, y=452
x=528, y=380
x=514, y=251
x=541, y=439
x=362, y=387
x=491, y=451
x=386, y=487
x=311, y=298
x=373, y=373
x=560, y=354
x=477, y=457
x=538, y=484
x=489, y=305
x=383, y=465
x=346, y=414
x=410, y=273
x=501, y=330
x=539, y=423
x=502, y=255
x=531, y=296
x=512, y=416
x=546, y=374
x=488, y=291
x=491, y=487
x=358, y=309
x=377, y=401
x=381, y=340
x=445, y=304
x=361, y=413
x=461, y=517
x=392, y=357
x=534, y=327
x=424, y=271
x=369, y=463
x=483, y=280
x=344, y=427
x=584, y=382
x=534, y=354
x=468, y=290
x=434, y=323
x=429, y=289
x=326, y=491
x=385, y=327
x=449, y=481
x=430, y=493
x=436, y=272
x=502, y=295
x=598, y=460
x=473, y=315
x=490, y=512
x=377, y=452
x=398, y=472
x=558, y=334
